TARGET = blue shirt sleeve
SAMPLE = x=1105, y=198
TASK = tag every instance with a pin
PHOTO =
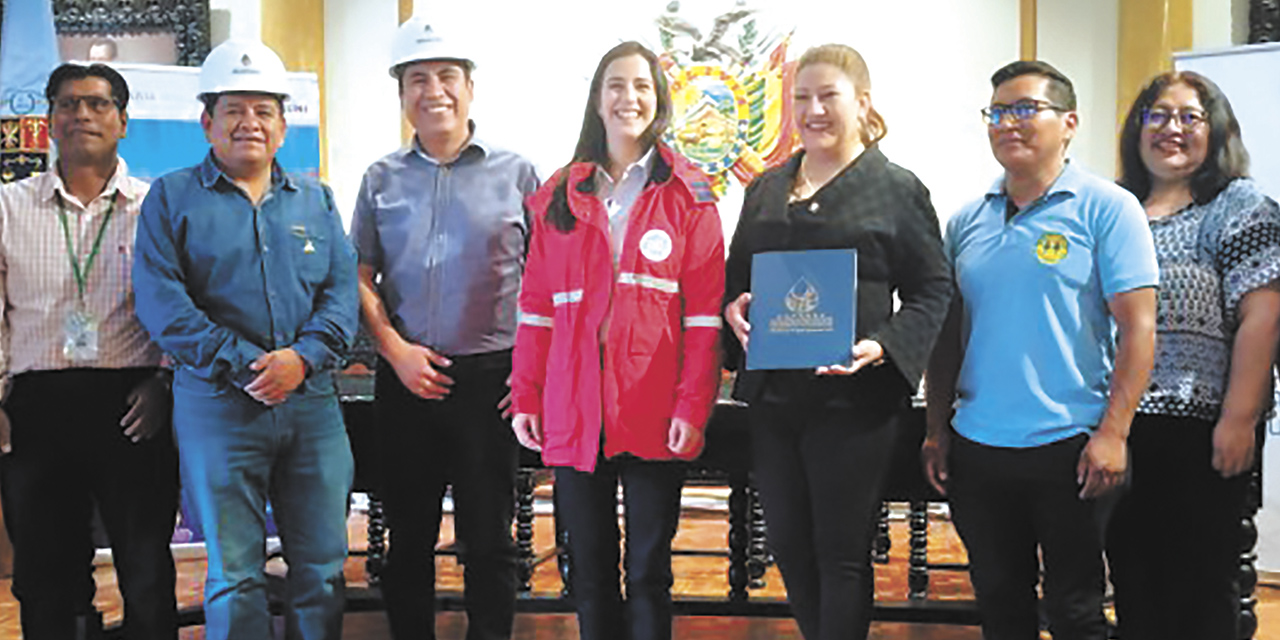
x=166, y=309
x=364, y=225
x=327, y=334
x=1126, y=252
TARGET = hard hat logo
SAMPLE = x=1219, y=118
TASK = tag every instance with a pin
x=243, y=67
x=418, y=41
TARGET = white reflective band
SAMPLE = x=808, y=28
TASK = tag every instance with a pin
x=640, y=279
x=565, y=297
x=535, y=321
x=711, y=322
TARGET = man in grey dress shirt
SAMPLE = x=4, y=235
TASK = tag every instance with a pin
x=441, y=233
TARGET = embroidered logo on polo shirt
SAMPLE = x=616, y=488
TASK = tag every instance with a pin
x=655, y=245
x=1051, y=248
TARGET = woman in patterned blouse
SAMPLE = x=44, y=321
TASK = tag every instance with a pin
x=1195, y=437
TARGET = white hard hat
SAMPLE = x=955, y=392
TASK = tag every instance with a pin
x=416, y=40
x=243, y=65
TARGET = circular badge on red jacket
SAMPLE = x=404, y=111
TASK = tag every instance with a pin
x=655, y=245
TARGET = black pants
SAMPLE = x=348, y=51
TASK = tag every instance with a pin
x=1015, y=507
x=1174, y=541
x=424, y=446
x=820, y=473
x=588, y=509
x=69, y=452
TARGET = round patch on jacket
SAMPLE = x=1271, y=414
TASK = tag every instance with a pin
x=655, y=245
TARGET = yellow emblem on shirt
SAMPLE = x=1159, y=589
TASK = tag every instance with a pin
x=1051, y=248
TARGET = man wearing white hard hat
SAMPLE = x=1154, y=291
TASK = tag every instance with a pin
x=441, y=232
x=244, y=277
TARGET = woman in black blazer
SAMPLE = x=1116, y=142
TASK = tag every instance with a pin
x=822, y=439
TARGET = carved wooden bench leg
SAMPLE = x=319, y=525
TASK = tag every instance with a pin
x=377, y=532
x=880, y=550
x=524, y=527
x=758, y=557
x=918, y=560
x=1247, y=580
x=739, y=536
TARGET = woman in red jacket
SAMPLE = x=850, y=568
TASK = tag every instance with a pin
x=616, y=365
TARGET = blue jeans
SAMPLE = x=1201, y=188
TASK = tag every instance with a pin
x=236, y=454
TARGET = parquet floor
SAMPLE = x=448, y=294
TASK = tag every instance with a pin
x=694, y=576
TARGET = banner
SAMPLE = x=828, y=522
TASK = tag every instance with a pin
x=164, y=121
x=28, y=53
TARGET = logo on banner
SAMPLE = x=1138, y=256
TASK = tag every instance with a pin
x=729, y=86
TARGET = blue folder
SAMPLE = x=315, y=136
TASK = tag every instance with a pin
x=803, y=308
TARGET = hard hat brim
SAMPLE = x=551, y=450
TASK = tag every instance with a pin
x=205, y=95
x=398, y=67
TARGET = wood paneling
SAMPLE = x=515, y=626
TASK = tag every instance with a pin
x=294, y=29
x=1150, y=31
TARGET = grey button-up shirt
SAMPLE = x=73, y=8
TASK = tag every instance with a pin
x=448, y=242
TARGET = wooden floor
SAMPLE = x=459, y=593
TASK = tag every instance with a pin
x=694, y=576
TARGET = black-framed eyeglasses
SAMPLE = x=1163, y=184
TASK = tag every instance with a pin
x=1186, y=118
x=1020, y=111
x=71, y=104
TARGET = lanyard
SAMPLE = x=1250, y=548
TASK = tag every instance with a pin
x=82, y=275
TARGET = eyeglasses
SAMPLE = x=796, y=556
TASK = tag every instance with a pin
x=1159, y=118
x=1020, y=111
x=71, y=104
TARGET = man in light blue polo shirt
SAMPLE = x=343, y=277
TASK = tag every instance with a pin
x=441, y=233
x=1040, y=367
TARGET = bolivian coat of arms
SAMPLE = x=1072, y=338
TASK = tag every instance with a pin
x=730, y=91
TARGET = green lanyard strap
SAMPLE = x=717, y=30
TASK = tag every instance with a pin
x=82, y=275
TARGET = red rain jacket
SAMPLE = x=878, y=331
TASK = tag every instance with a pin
x=660, y=359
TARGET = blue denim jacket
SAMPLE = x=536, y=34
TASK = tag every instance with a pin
x=219, y=281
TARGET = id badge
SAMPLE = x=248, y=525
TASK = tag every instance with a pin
x=81, y=343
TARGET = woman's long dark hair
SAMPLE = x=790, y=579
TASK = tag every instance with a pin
x=593, y=145
x=1226, y=159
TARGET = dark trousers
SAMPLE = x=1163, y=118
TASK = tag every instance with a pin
x=1174, y=540
x=588, y=510
x=820, y=473
x=70, y=452
x=424, y=446
x=1014, y=508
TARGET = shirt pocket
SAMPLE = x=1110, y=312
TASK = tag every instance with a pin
x=308, y=243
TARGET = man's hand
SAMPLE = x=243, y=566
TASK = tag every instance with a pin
x=416, y=366
x=933, y=455
x=682, y=438
x=1233, y=447
x=735, y=313
x=528, y=429
x=1102, y=464
x=281, y=372
x=864, y=353
x=6, y=445
x=149, y=406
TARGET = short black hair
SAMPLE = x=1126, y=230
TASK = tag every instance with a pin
x=465, y=65
x=1060, y=91
x=71, y=71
